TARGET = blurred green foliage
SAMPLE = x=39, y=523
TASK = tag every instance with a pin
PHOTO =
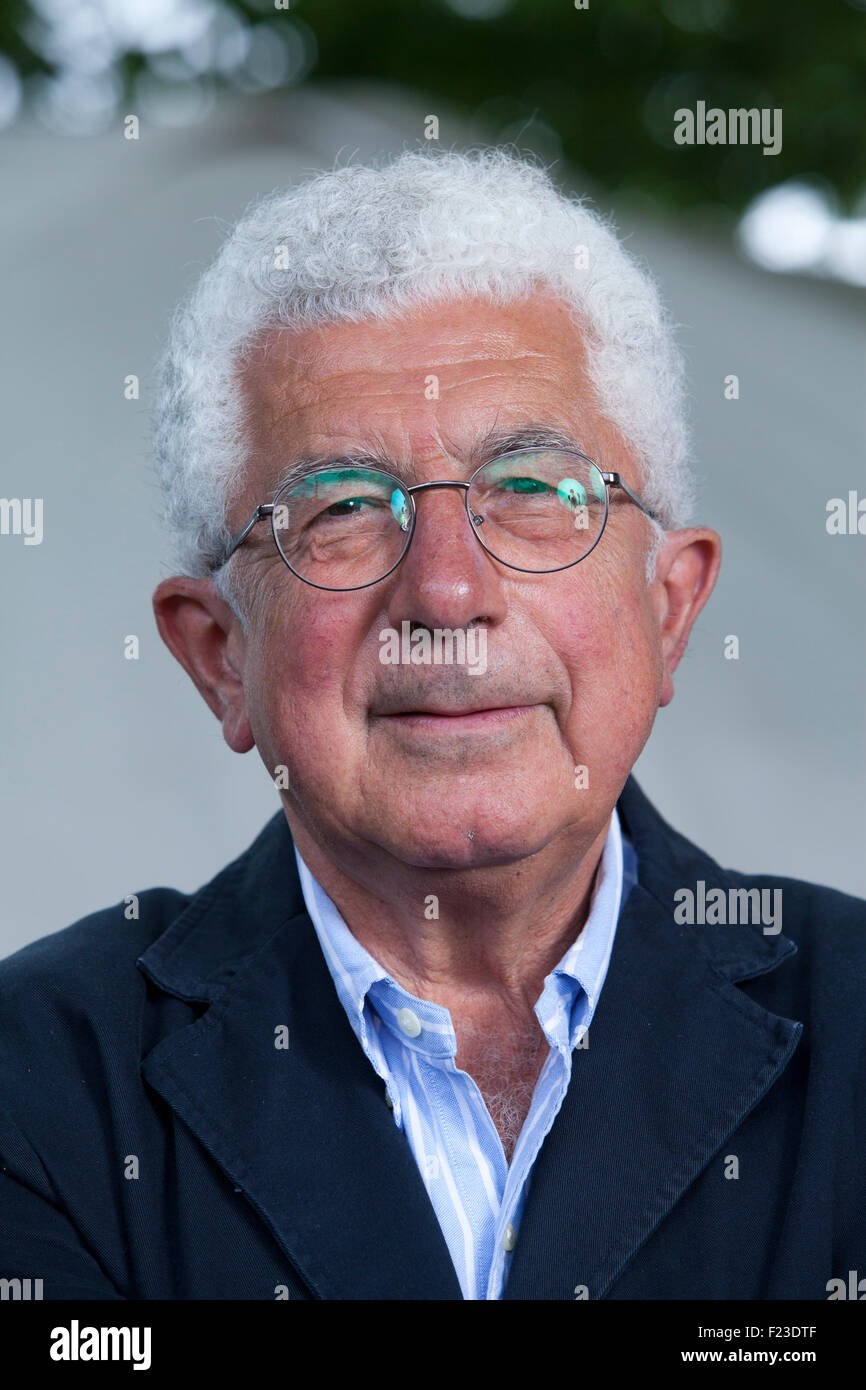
x=600, y=85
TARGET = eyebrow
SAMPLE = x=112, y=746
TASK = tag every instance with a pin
x=493, y=443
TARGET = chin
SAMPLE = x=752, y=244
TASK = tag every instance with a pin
x=468, y=842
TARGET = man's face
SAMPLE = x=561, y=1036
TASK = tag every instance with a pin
x=437, y=766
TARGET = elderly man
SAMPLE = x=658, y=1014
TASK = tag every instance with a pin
x=468, y=1020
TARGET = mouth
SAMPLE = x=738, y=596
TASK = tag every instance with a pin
x=457, y=720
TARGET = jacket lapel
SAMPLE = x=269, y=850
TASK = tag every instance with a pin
x=304, y=1131
x=677, y=1058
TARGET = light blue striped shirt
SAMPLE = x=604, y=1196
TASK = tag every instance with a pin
x=478, y=1198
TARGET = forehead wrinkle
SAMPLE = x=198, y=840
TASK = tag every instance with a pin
x=285, y=404
x=329, y=359
x=316, y=357
x=308, y=376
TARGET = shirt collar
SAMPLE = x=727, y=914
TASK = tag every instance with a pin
x=571, y=990
x=586, y=960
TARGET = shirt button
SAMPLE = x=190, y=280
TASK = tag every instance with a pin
x=409, y=1023
x=509, y=1238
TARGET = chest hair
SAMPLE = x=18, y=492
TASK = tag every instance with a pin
x=505, y=1068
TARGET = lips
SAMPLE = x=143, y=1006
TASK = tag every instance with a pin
x=451, y=717
x=451, y=711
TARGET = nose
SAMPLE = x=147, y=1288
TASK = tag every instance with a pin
x=446, y=578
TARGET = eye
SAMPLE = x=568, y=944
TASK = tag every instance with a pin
x=517, y=484
x=348, y=505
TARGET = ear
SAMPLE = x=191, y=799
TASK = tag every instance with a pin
x=201, y=631
x=686, y=573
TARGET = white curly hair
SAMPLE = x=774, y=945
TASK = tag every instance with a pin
x=372, y=241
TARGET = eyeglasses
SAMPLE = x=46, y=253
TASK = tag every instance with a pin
x=534, y=510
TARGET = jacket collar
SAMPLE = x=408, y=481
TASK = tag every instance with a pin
x=668, y=861
x=203, y=949
x=677, y=1057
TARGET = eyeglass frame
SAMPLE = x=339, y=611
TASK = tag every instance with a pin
x=266, y=509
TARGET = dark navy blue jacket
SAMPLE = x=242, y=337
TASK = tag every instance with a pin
x=148, y=1047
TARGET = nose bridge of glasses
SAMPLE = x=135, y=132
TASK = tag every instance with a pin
x=423, y=487
x=445, y=483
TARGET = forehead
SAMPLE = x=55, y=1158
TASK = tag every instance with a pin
x=432, y=378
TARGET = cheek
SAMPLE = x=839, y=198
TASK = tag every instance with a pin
x=600, y=628
x=295, y=680
x=608, y=641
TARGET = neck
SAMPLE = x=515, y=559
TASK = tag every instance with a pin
x=476, y=940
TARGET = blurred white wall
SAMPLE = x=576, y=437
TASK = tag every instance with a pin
x=115, y=775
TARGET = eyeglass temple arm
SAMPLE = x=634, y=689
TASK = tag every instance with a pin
x=258, y=515
x=614, y=480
